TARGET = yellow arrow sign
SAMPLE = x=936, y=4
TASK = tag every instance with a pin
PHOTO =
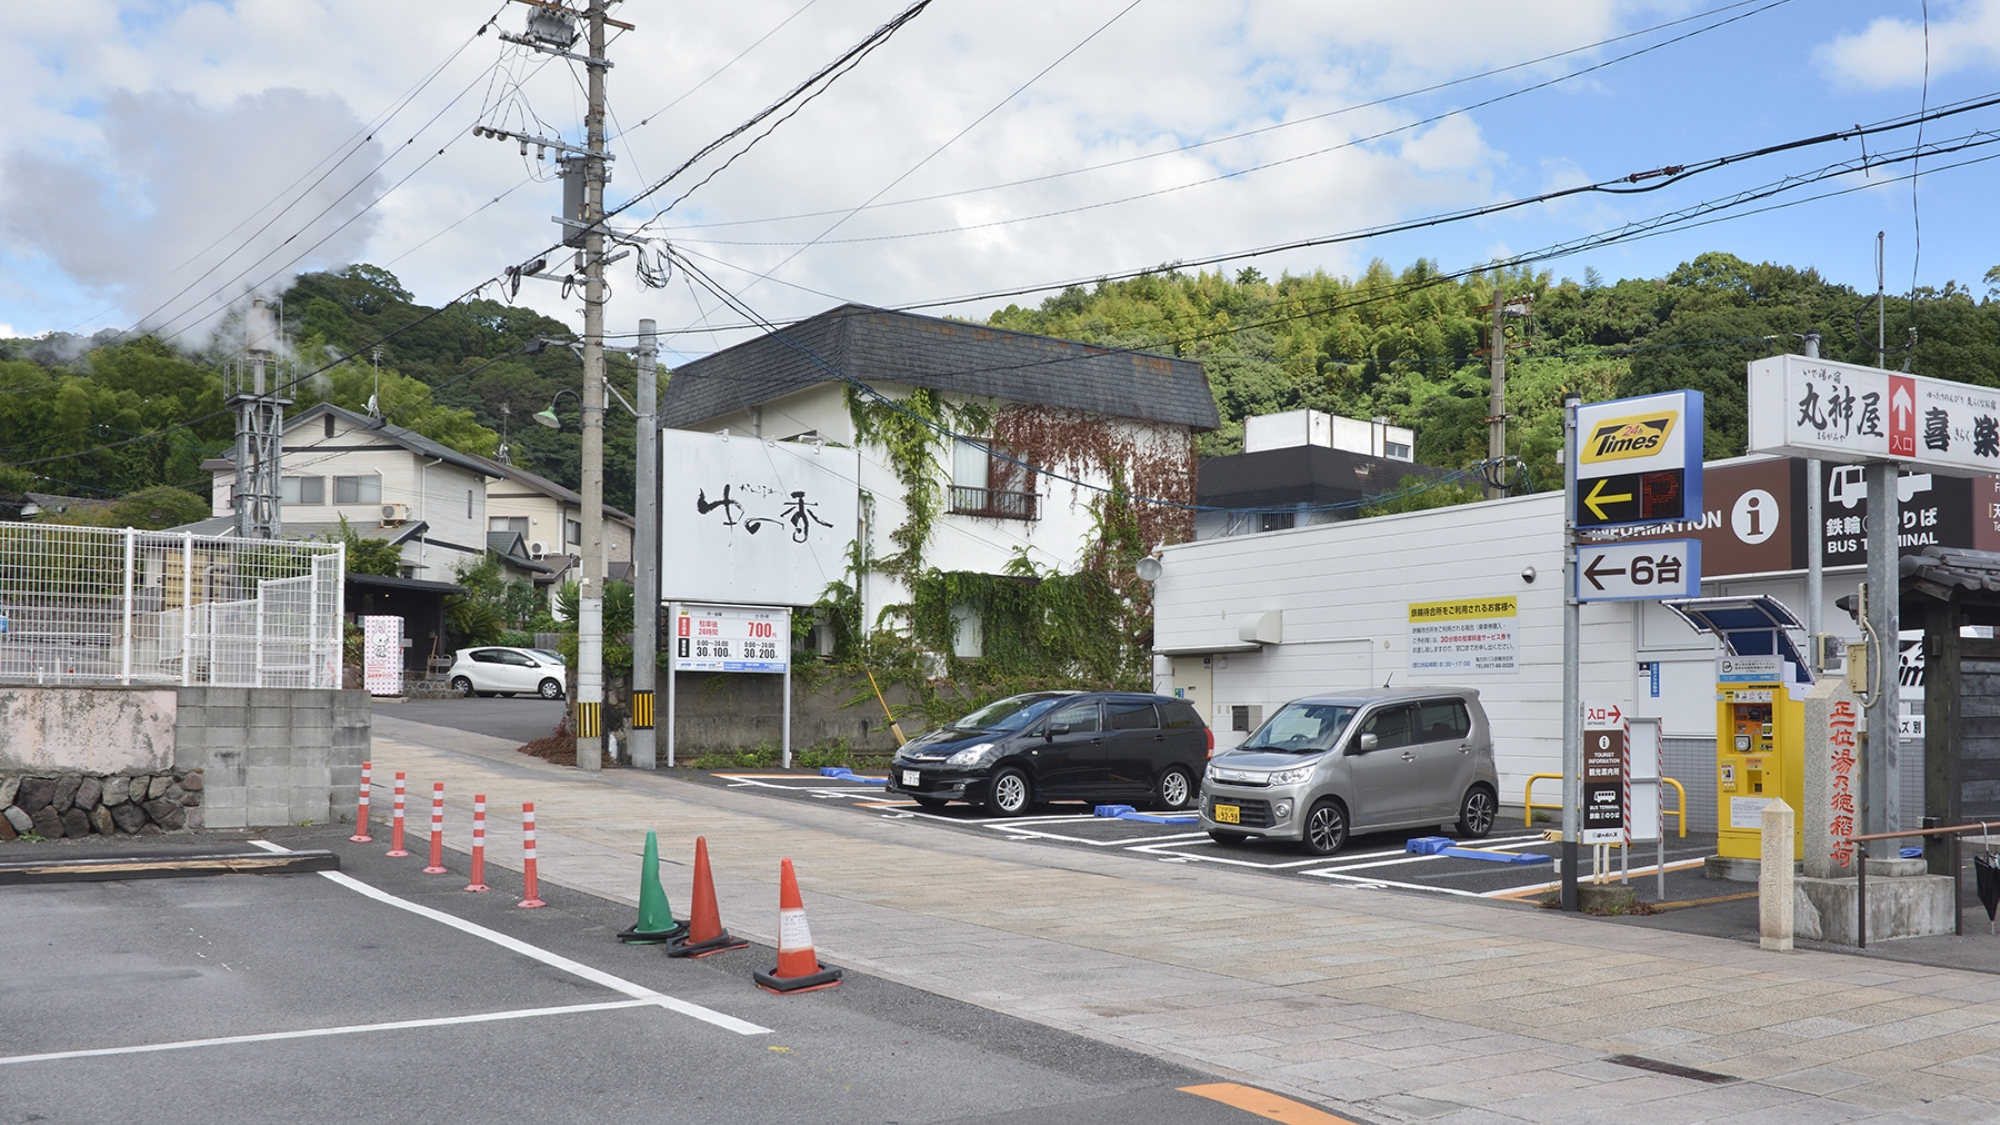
x=1597, y=498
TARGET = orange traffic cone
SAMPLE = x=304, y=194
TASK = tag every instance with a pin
x=705, y=935
x=798, y=968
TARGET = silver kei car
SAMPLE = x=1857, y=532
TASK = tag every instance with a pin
x=1328, y=765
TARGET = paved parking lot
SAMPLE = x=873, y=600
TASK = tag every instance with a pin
x=378, y=992
x=1376, y=861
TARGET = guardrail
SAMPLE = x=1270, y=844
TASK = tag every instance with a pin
x=1957, y=874
x=1528, y=799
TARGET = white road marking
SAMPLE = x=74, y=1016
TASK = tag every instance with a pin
x=1389, y=883
x=316, y=1032
x=535, y=952
x=1649, y=869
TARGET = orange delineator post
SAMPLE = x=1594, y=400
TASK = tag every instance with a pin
x=529, y=889
x=437, y=830
x=396, y=823
x=798, y=968
x=361, y=835
x=478, y=881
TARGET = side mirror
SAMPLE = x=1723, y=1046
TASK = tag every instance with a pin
x=1369, y=742
x=1056, y=729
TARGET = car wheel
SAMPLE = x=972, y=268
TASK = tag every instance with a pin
x=1175, y=790
x=1228, y=839
x=932, y=803
x=551, y=689
x=462, y=686
x=1326, y=827
x=1476, y=812
x=1010, y=793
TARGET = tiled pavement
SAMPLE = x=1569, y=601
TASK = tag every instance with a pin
x=1381, y=1007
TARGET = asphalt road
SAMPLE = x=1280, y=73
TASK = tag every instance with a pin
x=320, y=1002
x=522, y=718
x=1378, y=861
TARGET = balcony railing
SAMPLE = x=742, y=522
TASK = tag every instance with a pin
x=992, y=503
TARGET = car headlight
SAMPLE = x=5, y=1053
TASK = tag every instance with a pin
x=973, y=756
x=1290, y=777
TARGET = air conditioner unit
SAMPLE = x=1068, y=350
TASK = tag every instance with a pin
x=538, y=550
x=394, y=514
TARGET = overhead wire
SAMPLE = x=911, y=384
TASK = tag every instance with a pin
x=1247, y=133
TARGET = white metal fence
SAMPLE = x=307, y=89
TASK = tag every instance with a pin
x=89, y=605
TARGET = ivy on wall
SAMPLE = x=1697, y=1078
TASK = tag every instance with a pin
x=1092, y=628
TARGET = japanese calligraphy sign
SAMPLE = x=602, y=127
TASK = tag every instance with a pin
x=728, y=638
x=1638, y=460
x=1841, y=725
x=1842, y=412
x=749, y=521
x=1661, y=568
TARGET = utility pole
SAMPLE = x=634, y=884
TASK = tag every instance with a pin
x=552, y=30
x=1815, y=568
x=646, y=552
x=1496, y=403
x=590, y=587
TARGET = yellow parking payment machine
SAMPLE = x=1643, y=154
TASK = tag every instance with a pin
x=1760, y=682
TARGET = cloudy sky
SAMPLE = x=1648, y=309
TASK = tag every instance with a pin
x=165, y=159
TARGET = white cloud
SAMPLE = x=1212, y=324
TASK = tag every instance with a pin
x=1890, y=52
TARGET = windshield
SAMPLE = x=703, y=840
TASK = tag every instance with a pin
x=1302, y=728
x=545, y=654
x=1012, y=713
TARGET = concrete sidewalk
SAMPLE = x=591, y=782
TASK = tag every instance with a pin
x=1382, y=1007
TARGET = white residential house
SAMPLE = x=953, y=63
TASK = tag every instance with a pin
x=547, y=518
x=385, y=481
x=1046, y=401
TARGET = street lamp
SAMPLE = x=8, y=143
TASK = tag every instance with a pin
x=645, y=552
x=548, y=417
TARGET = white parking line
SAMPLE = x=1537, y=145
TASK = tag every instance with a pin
x=316, y=1032
x=535, y=952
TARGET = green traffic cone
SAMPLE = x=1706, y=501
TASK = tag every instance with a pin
x=656, y=918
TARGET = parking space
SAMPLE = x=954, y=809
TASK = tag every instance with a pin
x=378, y=991
x=1512, y=863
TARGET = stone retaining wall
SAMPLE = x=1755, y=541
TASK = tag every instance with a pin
x=257, y=757
x=84, y=804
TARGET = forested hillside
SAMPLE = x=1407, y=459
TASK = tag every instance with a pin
x=108, y=417
x=1412, y=347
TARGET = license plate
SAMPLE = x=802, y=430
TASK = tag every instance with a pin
x=912, y=778
x=1228, y=814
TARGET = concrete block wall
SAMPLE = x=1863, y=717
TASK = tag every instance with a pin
x=272, y=756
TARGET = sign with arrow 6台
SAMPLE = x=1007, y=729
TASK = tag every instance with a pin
x=1623, y=572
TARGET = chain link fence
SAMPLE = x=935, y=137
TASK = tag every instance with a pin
x=91, y=605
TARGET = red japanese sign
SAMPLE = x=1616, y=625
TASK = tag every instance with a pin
x=1840, y=735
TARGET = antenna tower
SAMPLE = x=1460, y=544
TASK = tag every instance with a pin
x=260, y=426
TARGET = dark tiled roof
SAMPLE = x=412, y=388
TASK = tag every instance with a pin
x=544, y=486
x=880, y=345
x=408, y=439
x=1299, y=474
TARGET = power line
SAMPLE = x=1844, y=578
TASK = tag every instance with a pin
x=1299, y=121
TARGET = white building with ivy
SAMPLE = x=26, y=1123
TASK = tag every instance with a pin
x=990, y=461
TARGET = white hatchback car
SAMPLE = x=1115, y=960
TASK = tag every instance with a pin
x=495, y=670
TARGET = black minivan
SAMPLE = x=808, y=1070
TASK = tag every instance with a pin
x=1059, y=745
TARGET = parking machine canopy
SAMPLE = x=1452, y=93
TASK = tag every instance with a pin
x=1754, y=625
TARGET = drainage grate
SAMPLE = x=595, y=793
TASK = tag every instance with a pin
x=1638, y=1062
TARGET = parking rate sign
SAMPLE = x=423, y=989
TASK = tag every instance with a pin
x=1638, y=460
x=1604, y=770
x=731, y=638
